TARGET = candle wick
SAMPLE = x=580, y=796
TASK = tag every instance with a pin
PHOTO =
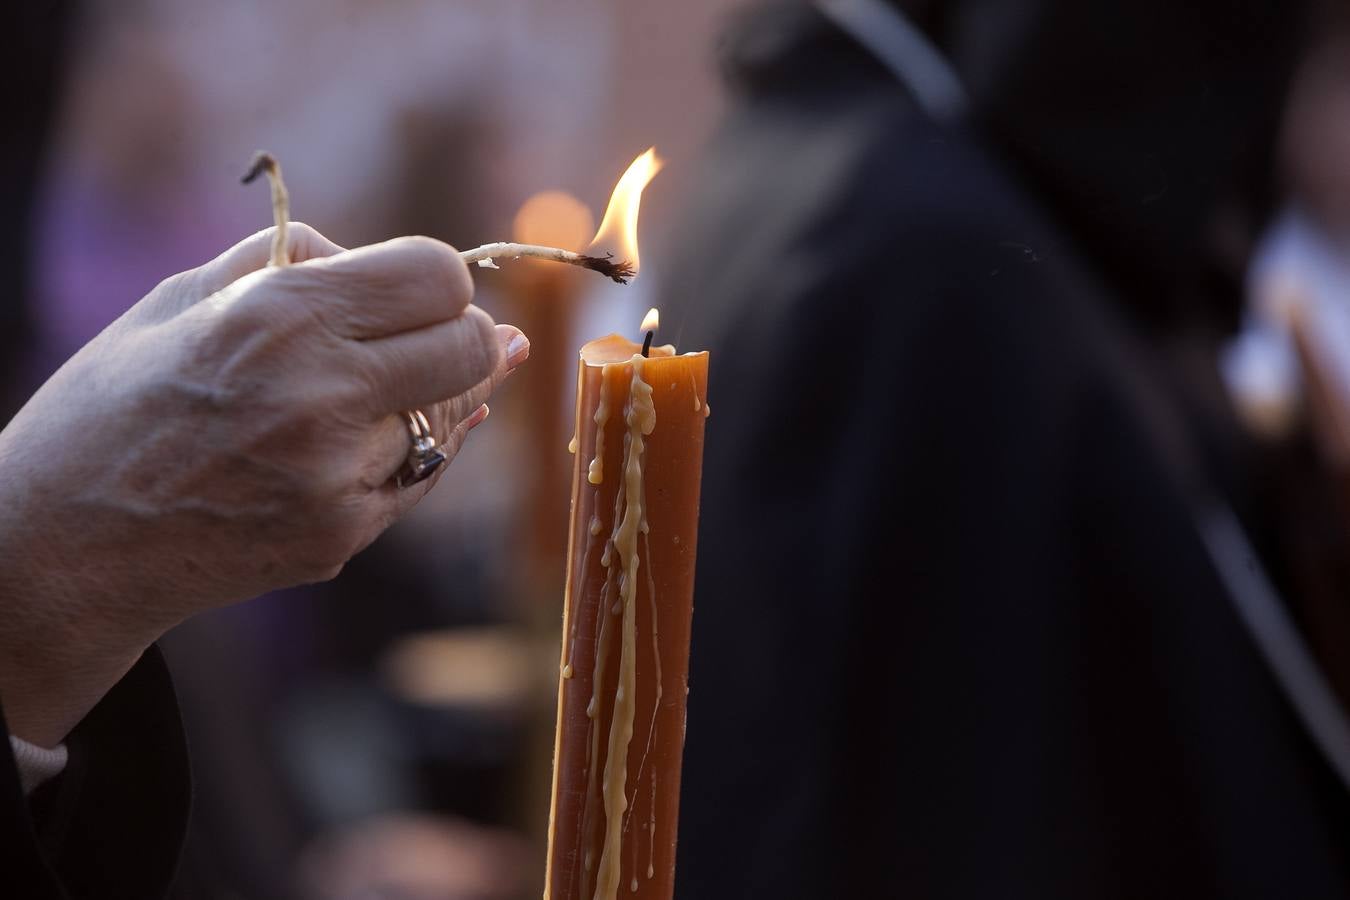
x=647, y=344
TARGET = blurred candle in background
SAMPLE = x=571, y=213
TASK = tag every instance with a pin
x=544, y=299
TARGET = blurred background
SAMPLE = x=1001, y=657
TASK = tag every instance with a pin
x=388, y=734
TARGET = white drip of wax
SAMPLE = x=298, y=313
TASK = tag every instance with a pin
x=640, y=417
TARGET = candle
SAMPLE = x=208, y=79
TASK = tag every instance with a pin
x=623, y=673
x=543, y=301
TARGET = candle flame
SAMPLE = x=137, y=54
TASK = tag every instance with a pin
x=618, y=229
x=651, y=321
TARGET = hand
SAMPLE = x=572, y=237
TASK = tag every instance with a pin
x=236, y=431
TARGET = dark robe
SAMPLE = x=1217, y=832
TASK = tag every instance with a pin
x=956, y=633
x=111, y=826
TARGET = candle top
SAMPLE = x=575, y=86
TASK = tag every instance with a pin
x=615, y=348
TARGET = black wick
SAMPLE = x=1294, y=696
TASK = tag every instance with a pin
x=647, y=344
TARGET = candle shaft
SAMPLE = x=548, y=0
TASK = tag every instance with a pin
x=629, y=600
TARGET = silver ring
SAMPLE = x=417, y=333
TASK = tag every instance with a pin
x=424, y=457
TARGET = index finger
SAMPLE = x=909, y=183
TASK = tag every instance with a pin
x=178, y=293
x=384, y=289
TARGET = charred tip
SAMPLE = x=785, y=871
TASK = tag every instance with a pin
x=262, y=162
x=618, y=270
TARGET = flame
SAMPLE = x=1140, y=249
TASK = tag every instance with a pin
x=554, y=219
x=618, y=229
x=651, y=321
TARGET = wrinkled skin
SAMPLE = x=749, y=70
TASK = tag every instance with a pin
x=236, y=431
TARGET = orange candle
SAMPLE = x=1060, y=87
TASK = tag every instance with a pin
x=623, y=675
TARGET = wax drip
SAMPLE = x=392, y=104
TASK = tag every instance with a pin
x=651, y=831
x=602, y=642
x=603, y=637
x=640, y=417
x=656, y=708
x=613, y=577
x=633, y=885
x=596, y=473
x=656, y=644
x=656, y=703
x=583, y=813
x=590, y=825
x=570, y=666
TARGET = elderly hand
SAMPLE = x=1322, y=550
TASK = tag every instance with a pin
x=236, y=431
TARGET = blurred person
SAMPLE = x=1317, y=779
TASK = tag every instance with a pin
x=992, y=596
x=122, y=199
x=1316, y=134
x=1289, y=368
x=1302, y=267
x=237, y=430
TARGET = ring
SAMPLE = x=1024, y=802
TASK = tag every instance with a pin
x=424, y=457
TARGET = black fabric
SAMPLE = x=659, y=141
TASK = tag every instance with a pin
x=1139, y=122
x=111, y=825
x=955, y=634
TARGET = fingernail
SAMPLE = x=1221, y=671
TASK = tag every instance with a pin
x=517, y=351
x=476, y=417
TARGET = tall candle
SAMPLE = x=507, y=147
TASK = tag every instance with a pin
x=544, y=300
x=623, y=674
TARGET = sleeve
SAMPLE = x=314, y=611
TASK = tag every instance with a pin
x=112, y=823
x=37, y=765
